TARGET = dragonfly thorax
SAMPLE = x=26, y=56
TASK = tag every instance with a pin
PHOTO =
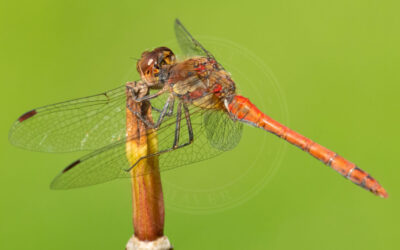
x=201, y=81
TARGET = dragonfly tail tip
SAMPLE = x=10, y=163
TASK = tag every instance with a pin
x=382, y=193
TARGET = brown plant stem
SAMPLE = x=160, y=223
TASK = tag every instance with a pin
x=148, y=203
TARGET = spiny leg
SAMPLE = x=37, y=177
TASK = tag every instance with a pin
x=175, y=143
x=176, y=139
x=148, y=97
x=178, y=125
x=170, y=109
x=144, y=89
x=155, y=109
x=164, y=112
x=160, y=119
x=189, y=123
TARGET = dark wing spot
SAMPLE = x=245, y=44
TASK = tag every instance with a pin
x=27, y=115
x=71, y=166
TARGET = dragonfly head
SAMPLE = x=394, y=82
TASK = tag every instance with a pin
x=153, y=65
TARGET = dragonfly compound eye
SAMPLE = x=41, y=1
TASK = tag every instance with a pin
x=164, y=56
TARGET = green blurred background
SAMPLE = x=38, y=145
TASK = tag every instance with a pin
x=331, y=71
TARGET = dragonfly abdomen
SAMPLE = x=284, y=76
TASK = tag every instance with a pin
x=243, y=110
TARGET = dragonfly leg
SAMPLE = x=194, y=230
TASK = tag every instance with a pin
x=171, y=108
x=176, y=139
x=189, y=123
x=178, y=125
x=163, y=113
x=148, y=97
x=138, y=115
x=139, y=91
x=156, y=109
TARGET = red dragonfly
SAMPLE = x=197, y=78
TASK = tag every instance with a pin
x=196, y=113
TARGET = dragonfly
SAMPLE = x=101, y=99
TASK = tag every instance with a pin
x=196, y=114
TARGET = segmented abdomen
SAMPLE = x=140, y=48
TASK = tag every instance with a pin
x=243, y=110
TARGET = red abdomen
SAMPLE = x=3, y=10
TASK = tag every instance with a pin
x=243, y=110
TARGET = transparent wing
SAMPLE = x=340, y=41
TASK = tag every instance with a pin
x=214, y=132
x=87, y=123
x=82, y=124
x=189, y=45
